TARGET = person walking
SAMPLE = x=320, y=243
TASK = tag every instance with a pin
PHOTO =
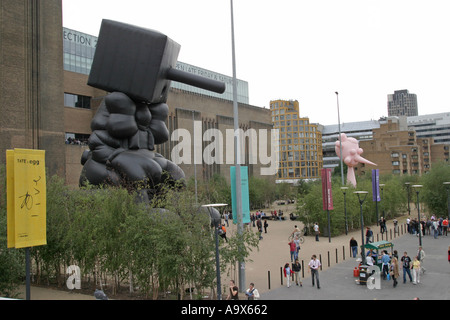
x=252, y=293
x=445, y=226
x=354, y=247
x=406, y=260
x=314, y=266
x=297, y=245
x=296, y=268
x=316, y=231
x=266, y=224
x=394, y=270
x=435, y=228
x=382, y=225
x=293, y=250
x=421, y=257
x=234, y=291
x=259, y=225
x=385, y=260
x=223, y=232
x=369, y=235
x=416, y=270
x=287, y=274
x=226, y=215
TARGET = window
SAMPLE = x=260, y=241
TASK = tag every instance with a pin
x=77, y=101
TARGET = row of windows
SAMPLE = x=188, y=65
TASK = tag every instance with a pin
x=77, y=101
x=77, y=64
x=298, y=173
x=298, y=164
x=314, y=142
x=289, y=117
x=300, y=134
x=294, y=124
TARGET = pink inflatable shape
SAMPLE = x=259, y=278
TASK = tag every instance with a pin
x=351, y=155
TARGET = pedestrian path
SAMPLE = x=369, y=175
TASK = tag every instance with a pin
x=338, y=283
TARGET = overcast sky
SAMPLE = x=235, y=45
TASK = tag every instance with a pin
x=303, y=50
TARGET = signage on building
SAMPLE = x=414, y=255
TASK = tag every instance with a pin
x=79, y=38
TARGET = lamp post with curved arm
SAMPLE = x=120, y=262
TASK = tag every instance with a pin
x=362, y=195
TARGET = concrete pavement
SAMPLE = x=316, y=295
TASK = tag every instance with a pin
x=338, y=283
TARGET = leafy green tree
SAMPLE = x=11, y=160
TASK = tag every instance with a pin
x=12, y=261
x=434, y=193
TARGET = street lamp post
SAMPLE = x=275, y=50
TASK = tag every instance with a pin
x=382, y=204
x=344, y=191
x=237, y=155
x=340, y=140
x=361, y=199
x=417, y=188
x=215, y=222
x=408, y=184
x=447, y=185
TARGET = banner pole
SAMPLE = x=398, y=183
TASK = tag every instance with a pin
x=27, y=271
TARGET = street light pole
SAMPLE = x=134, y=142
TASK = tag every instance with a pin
x=237, y=157
x=382, y=204
x=360, y=194
x=215, y=222
x=344, y=191
x=340, y=140
x=417, y=188
x=408, y=184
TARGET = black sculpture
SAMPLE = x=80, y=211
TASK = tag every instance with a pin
x=136, y=66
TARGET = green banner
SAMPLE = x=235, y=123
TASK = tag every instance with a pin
x=244, y=194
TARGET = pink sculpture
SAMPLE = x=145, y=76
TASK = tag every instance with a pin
x=351, y=155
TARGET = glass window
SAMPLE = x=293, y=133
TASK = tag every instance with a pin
x=77, y=101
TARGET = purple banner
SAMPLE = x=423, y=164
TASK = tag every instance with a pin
x=376, y=185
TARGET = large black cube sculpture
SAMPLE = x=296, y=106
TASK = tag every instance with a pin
x=136, y=66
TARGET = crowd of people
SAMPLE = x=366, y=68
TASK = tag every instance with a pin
x=395, y=267
x=71, y=140
x=428, y=226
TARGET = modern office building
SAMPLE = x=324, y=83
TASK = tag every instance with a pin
x=48, y=105
x=397, y=149
x=300, y=145
x=392, y=143
x=436, y=126
x=402, y=103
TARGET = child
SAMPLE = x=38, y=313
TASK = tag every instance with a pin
x=287, y=274
x=416, y=270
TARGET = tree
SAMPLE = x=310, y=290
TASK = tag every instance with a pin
x=433, y=193
x=12, y=261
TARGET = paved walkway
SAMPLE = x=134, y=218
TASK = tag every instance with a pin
x=273, y=252
x=338, y=283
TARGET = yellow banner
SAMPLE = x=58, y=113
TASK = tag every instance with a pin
x=26, y=198
x=10, y=199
